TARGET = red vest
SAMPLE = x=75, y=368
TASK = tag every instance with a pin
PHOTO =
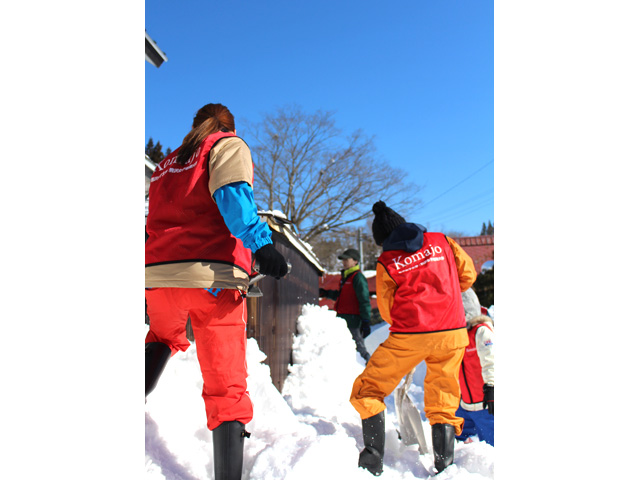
x=184, y=223
x=428, y=297
x=347, y=301
x=471, y=381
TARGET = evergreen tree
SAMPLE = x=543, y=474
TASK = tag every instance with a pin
x=484, y=229
x=154, y=151
x=149, y=148
x=490, y=228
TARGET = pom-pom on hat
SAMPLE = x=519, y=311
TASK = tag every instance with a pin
x=386, y=219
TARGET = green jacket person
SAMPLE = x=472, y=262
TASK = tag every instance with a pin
x=352, y=300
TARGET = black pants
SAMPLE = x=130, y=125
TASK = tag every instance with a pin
x=357, y=337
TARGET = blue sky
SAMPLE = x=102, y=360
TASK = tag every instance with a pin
x=417, y=75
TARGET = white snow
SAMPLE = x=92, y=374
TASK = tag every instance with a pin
x=309, y=431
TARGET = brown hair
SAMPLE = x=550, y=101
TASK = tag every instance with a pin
x=211, y=118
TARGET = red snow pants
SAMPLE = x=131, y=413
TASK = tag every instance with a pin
x=219, y=323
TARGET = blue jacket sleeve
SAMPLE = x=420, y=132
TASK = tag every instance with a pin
x=238, y=209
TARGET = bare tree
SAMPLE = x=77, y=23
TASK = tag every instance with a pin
x=320, y=179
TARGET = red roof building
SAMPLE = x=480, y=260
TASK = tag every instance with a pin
x=479, y=248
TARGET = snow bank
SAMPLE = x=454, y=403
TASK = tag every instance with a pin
x=310, y=431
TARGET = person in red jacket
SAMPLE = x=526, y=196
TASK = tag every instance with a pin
x=419, y=279
x=202, y=229
x=477, y=373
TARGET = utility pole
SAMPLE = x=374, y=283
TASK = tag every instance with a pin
x=360, y=245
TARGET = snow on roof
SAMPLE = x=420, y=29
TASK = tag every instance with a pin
x=279, y=222
x=150, y=163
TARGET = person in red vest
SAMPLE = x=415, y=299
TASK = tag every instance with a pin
x=352, y=300
x=477, y=373
x=419, y=279
x=202, y=229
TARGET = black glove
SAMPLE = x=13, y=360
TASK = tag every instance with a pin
x=365, y=328
x=271, y=262
x=322, y=292
x=487, y=402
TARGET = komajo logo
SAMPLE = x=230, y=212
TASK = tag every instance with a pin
x=165, y=166
x=418, y=258
x=170, y=161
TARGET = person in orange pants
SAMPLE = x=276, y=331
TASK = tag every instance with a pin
x=419, y=279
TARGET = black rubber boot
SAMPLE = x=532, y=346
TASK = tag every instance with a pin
x=373, y=436
x=156, y=356
x=228, y=447
x=443, y=436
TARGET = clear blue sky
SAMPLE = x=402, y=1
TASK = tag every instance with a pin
x=417, y=75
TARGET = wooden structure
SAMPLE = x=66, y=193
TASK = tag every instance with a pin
x=272, y=318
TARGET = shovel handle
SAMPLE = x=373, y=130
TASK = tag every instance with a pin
x=256, y=268
x=407, y=380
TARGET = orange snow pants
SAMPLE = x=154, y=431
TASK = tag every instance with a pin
x=219, y=321
x=397, y=356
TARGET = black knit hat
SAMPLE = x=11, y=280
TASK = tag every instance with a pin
x=384, y=222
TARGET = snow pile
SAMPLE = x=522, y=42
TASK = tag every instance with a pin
x=322, y=339
x=310, y=431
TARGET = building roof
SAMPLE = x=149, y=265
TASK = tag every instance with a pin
x=474, y=241
x=152, y=52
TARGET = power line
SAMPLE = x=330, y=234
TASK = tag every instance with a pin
x=459, y=214
x=471, y=201
x=461, y=181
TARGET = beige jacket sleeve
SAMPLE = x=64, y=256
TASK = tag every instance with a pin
x=464, y=264
x=229, y=162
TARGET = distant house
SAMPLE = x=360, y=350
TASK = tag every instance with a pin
x=479, y=248
x=149, y=167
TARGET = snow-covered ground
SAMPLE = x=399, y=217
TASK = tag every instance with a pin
x=309, y=431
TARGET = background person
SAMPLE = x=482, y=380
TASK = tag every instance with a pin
x=352, y=299
x=477, y=374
